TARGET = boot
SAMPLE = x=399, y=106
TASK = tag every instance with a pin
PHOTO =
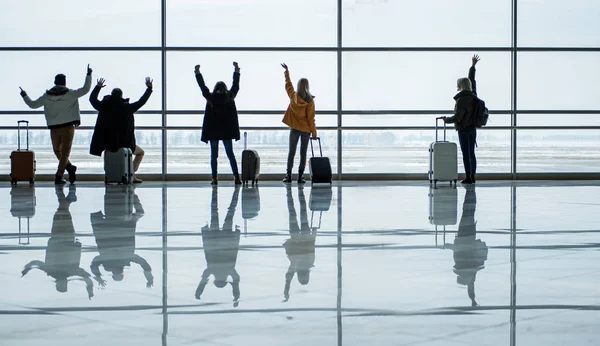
x=58, y=180
x=300, y=180
x=288, y=177
x=71, y=169
x=237, y=179
x=473, y=178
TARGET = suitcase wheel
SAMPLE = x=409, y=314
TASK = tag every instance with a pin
x=31, y=182
x=13, y=182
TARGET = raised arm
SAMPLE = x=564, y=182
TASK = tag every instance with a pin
x=33, y=104
x=202, y=283
x=142, y=101
x=31, y=265
x=94, y=94
x=474, y=61
x=235, y=86
x=201, y=84
x=311, y=118
x=86, y=85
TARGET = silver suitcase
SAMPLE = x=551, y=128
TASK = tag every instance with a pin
x=443, y=206
x=118, y=166
x=443, y=165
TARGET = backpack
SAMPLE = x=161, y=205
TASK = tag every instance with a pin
x=481, y=113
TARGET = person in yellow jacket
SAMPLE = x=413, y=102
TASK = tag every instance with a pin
x=300, y=117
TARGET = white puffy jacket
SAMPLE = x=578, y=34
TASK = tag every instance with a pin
x=61, y=104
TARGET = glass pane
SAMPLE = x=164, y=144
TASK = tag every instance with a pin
x=248, y=120
x=256, y=23
x=262, y=85
x=187, y=154
x=426, y=23
x=410, y=120
x=571, y=84
x=39, y=141
x=557, y=151
x=78, y=23
x=556, y=23
x=125, y=70
x=420, y=80
x=400, y=151
x=559, y=119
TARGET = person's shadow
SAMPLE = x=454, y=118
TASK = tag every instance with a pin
x=470, y=253
x=221, y=246
x=63, y=253
x=114, y=231
x=300, y=247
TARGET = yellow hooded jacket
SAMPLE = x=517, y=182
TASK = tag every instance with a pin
x=300, y=115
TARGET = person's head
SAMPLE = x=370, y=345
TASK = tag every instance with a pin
x=61, y=285
x=220, y=283
x=463, y=84
x=304, y=90
x=60, y=79
x=117, y=274
x=220, y=88
x=117, y=93
x=303, y=276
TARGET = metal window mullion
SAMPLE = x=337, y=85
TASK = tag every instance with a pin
x=164, y=88
x=513, y=120
x=339, y=91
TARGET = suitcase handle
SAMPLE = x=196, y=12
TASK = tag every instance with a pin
x=245, y=140
x=312, y=215
x=19, y=133
x=313, y=150
x=436, y=128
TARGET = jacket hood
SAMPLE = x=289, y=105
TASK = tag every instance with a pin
x=57, y=90
x=463, y=93
x=110, y=98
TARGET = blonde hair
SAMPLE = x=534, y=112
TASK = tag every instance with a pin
x=304, y=90
x=464, y=84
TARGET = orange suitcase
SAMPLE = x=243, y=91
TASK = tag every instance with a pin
x=22, y=162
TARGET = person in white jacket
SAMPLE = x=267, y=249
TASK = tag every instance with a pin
x=61, y=108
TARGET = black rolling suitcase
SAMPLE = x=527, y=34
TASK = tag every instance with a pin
x=320, y=167
x=250, y=164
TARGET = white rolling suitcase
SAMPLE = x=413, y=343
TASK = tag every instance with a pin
x=443, y=165
x=443, y=206
x=118, y=166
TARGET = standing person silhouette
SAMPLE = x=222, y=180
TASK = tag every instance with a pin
x=300, y=248
x=221, y=121
x=300, y=117
x=63, y=253
x=221, y=246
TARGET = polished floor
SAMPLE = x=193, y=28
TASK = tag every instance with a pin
x=356, y=264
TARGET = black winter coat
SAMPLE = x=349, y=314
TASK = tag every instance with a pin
x=220, y=117
x=464, y=109
x=115, y=125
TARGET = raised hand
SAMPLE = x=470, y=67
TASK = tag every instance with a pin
x=101, y=83
x=23, y=93
x=197, y=68
x=235, y=64
x=149, y=82
x=284, y=66
x=475, y=59
x=89, y=70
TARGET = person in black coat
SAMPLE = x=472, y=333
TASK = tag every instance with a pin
x=115, y=125
x=464, y=121
x=221, y=246
x=221, y=120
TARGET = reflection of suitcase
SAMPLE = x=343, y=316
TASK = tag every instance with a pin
x=22, y=162
x=320, y=198
x=443, y=206
x=118, y=166
x=320, y=167
x=443, y=164
x=250, y=203
x=250, y=164
x=22, y=201
x=23, y=238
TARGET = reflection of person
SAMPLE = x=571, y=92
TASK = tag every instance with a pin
x=61, y=108
x=221, y=120
x=464, y=121
x=221, y=246
x=115, y=125
x=115, y=235
x=300, y=117
x=300, y=248
x=470, y=253
x=63, y=254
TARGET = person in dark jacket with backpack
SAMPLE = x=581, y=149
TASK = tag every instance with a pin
x=115, y=125
x=464, y=121
x=221, y=120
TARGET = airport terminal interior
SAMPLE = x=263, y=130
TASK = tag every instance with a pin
x=379, y=256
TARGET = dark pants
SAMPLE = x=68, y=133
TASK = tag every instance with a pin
x=214, y=155
x=468, y=139
x=296, y=135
